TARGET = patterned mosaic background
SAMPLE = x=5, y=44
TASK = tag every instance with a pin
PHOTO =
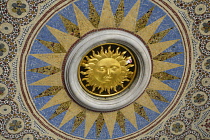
x=34, y=39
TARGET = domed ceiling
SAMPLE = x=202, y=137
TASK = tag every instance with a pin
x=104, y=69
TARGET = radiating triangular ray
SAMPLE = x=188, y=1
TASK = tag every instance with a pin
x=146, y=101
x=154, y=94
x=166, y=55
x=110, y=122
x=83, y=23
x=164, y=76
x=59, y=98
x=78, y=120
x=54, y=47
x=156, y=84
x=53, y=80
x=119, y=15
x=99, y=124
x=65, y=39
x=139, y=109
x=90, y=119
x=142, y=22
x=121, y=121
x=159, y=36
x=147, y=32
x=157, y=48
x=72, y=28
x=129, y=114
x=131, y=18
x=93, y=14
x=50, y=91
x=107, y=17
x=159, y=66
x=62, y=108
x=50, y=58
x=72, y=111
x=48, y=70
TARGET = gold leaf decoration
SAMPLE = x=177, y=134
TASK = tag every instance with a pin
x=93, y=14
x=50, y=91
x=121, y=121
x=72, y=28
x=78, y=120
x=54, y=47
x=154, y=94
x=159, y=36
x=139, y=109
x=99, y=124
x=142, y=22
x=48, y=70
x=119, y=15
x=164, y=76
x=62, y=108
x=166, y=55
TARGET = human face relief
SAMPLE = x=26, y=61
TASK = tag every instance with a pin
x=107, y=70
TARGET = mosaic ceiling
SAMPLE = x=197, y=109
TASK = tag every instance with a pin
x=104, y=69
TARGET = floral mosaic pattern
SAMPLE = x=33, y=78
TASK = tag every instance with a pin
x=18, y=7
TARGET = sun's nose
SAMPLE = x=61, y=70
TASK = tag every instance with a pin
x=108, y=71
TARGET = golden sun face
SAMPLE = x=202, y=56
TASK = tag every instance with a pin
x=108, y=71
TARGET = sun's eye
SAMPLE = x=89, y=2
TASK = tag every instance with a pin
x=114, y=68
x=101, y=69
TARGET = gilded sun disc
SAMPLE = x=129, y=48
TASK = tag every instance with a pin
x=107, y=70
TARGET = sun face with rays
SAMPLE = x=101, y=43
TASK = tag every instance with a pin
x=107, y=71
x=85, y=25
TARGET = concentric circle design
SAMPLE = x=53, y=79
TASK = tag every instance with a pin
x=6, y=28
x=208, y=46
x=73, y=84
x=189, y=114
x=205, y=82
x=68, y=40
x=5, y=109
x=200, y=9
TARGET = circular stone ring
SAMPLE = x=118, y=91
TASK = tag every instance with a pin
x=97, y=95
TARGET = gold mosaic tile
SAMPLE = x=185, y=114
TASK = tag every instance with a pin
x=62, y=108
x=119, y=15
x=54, y=47
x=164, y=76
x=142, y=22
x=99, y=124
x=139, y=109
x=50, y=91
x=158, y=36
x=154, y=94
x=166, y=55
x=48, y=70
x=121, y=121
x=78, y=120
x=93, y=14
x=72, y=28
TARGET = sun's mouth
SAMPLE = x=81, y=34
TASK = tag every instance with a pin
x=107, y=78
